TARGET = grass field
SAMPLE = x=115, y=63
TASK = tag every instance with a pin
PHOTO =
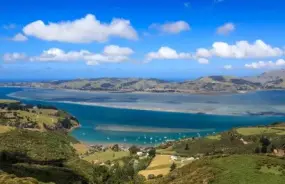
x=4, y=129
x=159, y=165
x=235, y=169
x=214, y=137
x=245, y=169
x=104, y=156
x=2, y=101
x=80, y=148
x=258, y=130
x=167, y=151
x=33, y=118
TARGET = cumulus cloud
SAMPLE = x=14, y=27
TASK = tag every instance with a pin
x=116, y=50
x=109, y=55
x=85, y=30
x=19, y=38
x=228, y=67
x=202, y=52
x=265, y=64
x=203, y=61
x=226, y=29
x=167, y=53
x=8, y=57
x=240, y=50
x=172, y=27
x=56, y=54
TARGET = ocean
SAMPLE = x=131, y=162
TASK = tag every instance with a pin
x=149, y=119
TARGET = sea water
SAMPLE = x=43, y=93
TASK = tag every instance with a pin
x=149, y=119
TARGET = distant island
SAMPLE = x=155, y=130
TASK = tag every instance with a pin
x=204, y=85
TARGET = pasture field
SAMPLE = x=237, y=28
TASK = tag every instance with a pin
x=236, y=169
x=106, y=155
x=4, y=129
x=259, y=130
x=159, y=165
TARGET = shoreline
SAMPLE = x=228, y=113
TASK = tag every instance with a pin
x=140, y=92
x=155, y=109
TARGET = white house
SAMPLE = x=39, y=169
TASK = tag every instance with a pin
x=173, y=158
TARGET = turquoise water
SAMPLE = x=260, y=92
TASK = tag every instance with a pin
x=117, y=125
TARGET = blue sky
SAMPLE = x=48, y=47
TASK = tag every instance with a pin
x=169, y=39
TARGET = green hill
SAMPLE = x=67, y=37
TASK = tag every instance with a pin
x=234, y=169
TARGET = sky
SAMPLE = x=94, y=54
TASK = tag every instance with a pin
x=167, y=39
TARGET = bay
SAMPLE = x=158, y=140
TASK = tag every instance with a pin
x=115, y=118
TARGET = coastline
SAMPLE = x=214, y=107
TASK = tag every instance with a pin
x=159, y=109
x=140, y=92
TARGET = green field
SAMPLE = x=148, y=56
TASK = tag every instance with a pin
x=4, y=101
x=4, y=129
x=35, y=118
x=242, y=169
x=214, y=137
x=106, y=155
x=259, y=130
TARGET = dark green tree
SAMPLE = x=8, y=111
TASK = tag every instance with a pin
x=173, y=166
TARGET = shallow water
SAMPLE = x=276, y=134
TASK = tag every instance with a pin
x=119, y=125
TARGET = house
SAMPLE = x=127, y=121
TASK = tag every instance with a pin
x=140, y=153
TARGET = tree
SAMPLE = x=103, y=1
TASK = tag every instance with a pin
x=133, y=150
x=101, y=174
x=152, y=152
x=173, y=166
x=115, y=147
x=264, y=149
x=257, y=150
x=187, y=147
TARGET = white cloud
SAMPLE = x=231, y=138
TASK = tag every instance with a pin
x=172, y=27
x=167, y=53
x=109, y=55
x=226, y=29
x=228, y=67
x=115, y=50
x=203, y=61
x=85, y=30
x=264, y=64
x=56, y=54
x=201, y=52
x=240, y=50
x=8, y=57
x=19, y=38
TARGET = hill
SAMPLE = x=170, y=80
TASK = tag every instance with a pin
x=270, y=80
x=210, y=84
x=241, y=155
x=36, y=117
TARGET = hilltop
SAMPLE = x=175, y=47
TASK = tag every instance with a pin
x=14, y=114
x=209, y=84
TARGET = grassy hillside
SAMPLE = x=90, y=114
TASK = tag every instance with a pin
x=237, y=141
x=15, y=114
x=44, y=156
x=235, y=169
